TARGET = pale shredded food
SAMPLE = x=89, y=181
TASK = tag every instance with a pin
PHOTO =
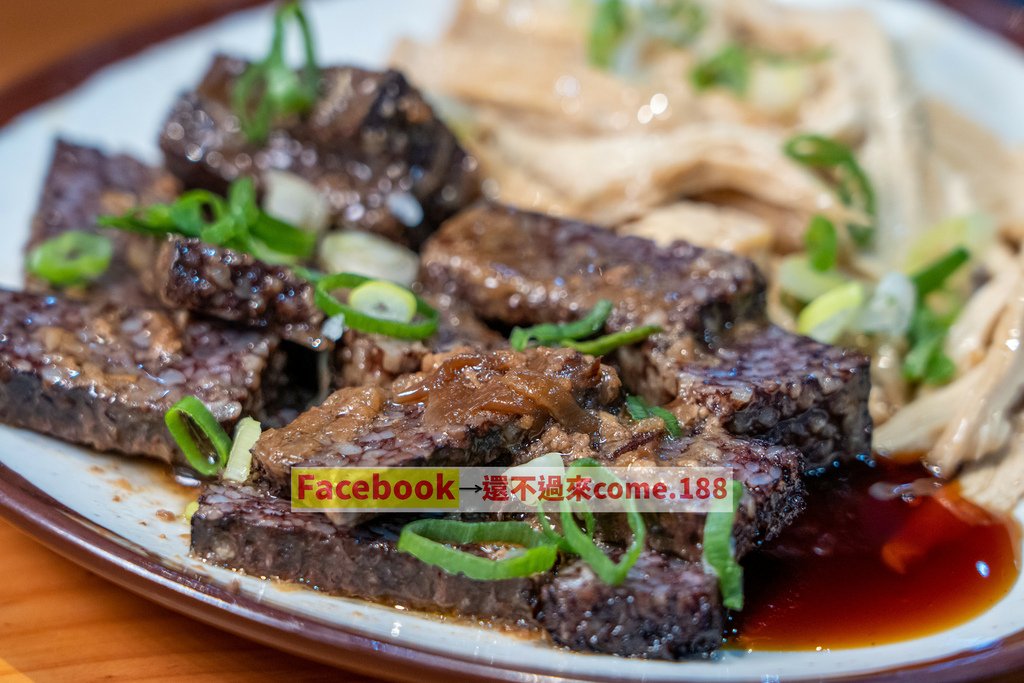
x=639, y=149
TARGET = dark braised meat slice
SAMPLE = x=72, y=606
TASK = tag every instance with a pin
x=466, y=409
x=103, y=375
x=773, y=488
x=717, y=358
x=362, y=358
x=762, y=382
x=666, y=609
x=244, y=527
x=84, y=183
x=523, y=268
x=234, y=286
x=372, y=146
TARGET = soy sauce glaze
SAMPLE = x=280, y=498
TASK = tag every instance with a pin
x=857, y=571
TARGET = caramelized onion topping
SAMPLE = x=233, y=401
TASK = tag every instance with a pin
x=468, y=384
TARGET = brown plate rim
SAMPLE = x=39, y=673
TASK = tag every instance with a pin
x=69, y=534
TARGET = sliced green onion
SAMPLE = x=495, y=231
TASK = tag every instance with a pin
x=71, y=258
x=926, y=361
x=853, y=187
x=364, y=253
x=975, y=231
x=247, y=433
x=677, y=22
x=934, y=276
x=827, y=317
x=609, y=342
x=384, y=300
x=359, y=320
x=190, y=510
x=639, y=409
x=891, y=307
x=607, y=30
x=822, y=244
x=430, y=541
x=798, y=278
x=550, y=334
x=189, y=416
x=728, y=68
x=613, y=573
x=720, y=551
x=269, y=89
x=235, y=222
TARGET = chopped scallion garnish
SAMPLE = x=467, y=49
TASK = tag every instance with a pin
x=728, y=68
x=239, y=464
x=188, y=419
x=71, y=258
x=431, y=541
x=549, y=334
x=575, y=335
x=236, y=222
x=582, y=543
x=372, y=320
x=269, y=89
x=677, y=22
x=934, y=276
x=639, y=409
x=852, y=184
x=830, y=315
x=720, y=551
x=822, y=244
x=384, y=300
x=607, y=29
x=609, y=342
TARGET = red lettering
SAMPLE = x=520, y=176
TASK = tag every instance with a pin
x=381, y=488
x=304, y=485
x=444, y=488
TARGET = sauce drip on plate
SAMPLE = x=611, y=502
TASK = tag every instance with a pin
x=856, y=571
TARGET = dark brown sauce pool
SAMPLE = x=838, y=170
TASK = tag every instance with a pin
x=825, y=582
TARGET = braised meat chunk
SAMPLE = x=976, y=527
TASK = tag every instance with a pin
x=762, y=382
x=118, y=370
x=522, y=268
x=236, y=287
x=372, y=146
x=666, y=609
x=83, y=183
x=245, y=527
x=467, y=409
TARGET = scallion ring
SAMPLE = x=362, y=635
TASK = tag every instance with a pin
x=612, y=573
x=72, y=258
x=720, y=553
x=183, y=420
x=431, y=541
x=360, y=320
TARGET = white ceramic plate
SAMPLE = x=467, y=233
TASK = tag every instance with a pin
x=104, y=510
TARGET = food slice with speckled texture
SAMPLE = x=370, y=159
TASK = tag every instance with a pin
x=103, y=375
x=84, y=183
x=372, y=147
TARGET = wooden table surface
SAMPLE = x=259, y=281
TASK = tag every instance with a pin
x=58, y=622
